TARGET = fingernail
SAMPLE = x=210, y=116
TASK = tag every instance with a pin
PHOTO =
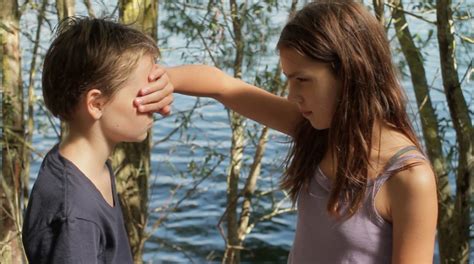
x=139, y=101
x=144, y=90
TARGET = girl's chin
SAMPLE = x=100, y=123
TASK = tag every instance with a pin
x=319, y=126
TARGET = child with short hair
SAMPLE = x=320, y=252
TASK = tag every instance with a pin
x=92, y=75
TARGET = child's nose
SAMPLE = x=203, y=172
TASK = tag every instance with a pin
x=293, y=97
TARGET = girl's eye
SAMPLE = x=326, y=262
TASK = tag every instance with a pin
x=300, y=79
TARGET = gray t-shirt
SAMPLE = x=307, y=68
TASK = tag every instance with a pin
x=69, y=221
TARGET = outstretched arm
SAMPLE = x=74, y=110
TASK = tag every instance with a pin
x=255, y=103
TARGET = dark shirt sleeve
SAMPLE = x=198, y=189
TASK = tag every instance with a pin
x=68, y=240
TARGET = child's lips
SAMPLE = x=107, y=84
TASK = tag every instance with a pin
x=306, y=113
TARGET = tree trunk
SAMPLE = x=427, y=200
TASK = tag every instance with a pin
x=31, y=102
x=131, y=161
x=238, y=228
x=250, y=186
x=64, y=9
x=232, y=251
x=11, y=184
x=279, y=88
x=453, y=216
x=454, y=248
x=379, y=10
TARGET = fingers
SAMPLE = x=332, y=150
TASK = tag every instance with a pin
x=165, y=111
x=157, y=94
x=156, y=72
x=155, y=86
x=162, y=106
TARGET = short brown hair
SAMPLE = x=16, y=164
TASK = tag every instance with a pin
x=90, y=53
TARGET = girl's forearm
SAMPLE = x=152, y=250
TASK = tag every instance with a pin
x=246, y=99
x=199, y=80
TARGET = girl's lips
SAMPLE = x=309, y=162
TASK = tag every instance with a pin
x=306, y=113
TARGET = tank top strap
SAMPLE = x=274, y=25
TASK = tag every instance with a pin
x=394, y=158
x=395, y=162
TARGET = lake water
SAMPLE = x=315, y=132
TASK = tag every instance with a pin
x=190, y=234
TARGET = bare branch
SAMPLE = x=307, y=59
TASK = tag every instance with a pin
x=410, y=13
x=90, y=10
x=268, y=217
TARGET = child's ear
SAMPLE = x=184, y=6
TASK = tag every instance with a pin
x=95, y=102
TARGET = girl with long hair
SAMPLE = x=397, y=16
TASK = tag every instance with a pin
x=364, y=190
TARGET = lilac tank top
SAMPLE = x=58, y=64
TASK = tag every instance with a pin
x=364, y=238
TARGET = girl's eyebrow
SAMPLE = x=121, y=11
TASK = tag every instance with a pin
x=292, y=75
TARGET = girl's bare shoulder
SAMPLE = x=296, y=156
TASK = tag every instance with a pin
x=419, y=176
x=415, y=173
x=412, y=195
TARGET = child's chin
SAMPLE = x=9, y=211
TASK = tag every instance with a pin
x=319, y=126
x=137, y=139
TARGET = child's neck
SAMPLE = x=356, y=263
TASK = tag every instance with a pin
x=385, y=143
x=87, y=149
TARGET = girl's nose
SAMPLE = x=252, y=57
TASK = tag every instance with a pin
x=293, y=97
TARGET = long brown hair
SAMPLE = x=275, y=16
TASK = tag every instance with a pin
x=346, y=36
